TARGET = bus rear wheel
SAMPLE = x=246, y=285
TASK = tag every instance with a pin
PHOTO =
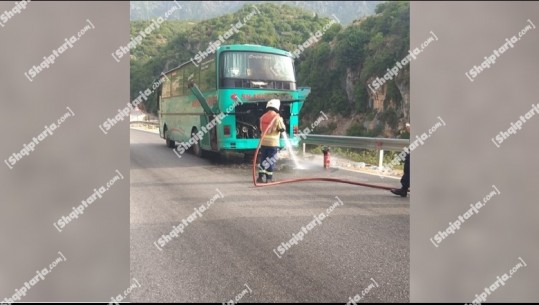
x=195, y=149
x=248, y=157
x=170, y=143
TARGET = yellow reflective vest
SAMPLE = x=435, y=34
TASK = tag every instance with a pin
x=273, y=121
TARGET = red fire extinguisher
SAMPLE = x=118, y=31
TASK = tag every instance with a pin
x=327, y=157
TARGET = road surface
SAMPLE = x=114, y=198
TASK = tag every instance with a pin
x=230, y=250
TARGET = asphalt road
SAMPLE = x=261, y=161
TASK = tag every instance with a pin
x=231, y=249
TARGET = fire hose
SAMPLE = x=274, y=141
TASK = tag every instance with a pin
x=255, y=159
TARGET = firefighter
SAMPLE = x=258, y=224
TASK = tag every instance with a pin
x=405, y=180
x=273, y=122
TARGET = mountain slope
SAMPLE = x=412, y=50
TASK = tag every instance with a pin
x=346, y=11
x=338, y=67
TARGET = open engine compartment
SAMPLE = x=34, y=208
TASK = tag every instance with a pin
x=248, y=119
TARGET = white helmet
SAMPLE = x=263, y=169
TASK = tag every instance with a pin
x=275, y=103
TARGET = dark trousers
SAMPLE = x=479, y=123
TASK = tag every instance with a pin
x=405, y=180
x=268, y=158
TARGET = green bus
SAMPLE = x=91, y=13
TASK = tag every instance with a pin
x=197, y=105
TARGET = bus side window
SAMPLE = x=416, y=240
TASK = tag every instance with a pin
x=207, y=76
x=159, y=98
x=190, y=74
x=177, y=83
x=165, y=92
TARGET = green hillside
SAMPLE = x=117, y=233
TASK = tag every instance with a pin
x=337, y=68
x=347, y=11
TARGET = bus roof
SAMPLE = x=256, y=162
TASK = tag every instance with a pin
x=254, y=48
x=241, y=47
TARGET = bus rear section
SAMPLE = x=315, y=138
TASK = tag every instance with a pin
x=241, y=129
x=256, y=74
x=247, y=123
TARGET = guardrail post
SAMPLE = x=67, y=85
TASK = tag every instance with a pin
x=381, y=160
x=304, y=150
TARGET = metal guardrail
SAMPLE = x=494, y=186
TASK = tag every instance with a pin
x=357, y=142
x=145, y=122
x=380, y=144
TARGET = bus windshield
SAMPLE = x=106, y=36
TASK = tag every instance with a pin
x=257, y=66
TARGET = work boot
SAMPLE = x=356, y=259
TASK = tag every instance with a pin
x=259, y=180
x=400, y=192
